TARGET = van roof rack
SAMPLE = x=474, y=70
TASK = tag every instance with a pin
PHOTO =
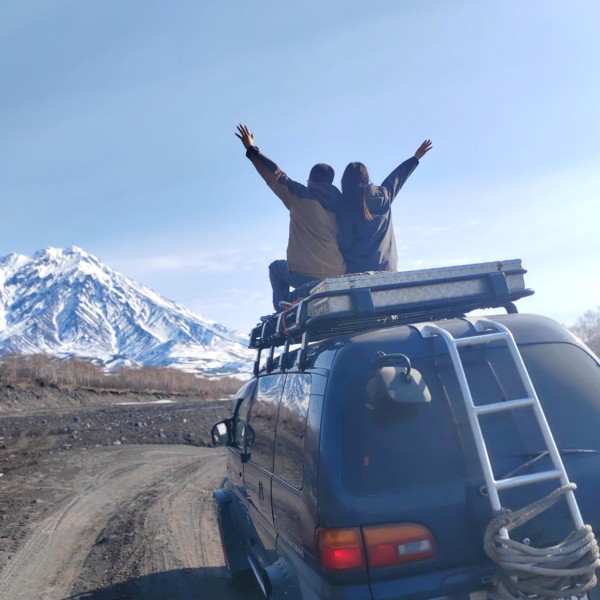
x=373, y=300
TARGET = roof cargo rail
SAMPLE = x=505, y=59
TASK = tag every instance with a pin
x=385, y=298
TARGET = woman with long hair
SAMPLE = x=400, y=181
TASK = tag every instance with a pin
x=366, y=234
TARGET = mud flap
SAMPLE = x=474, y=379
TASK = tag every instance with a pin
x=232, y=542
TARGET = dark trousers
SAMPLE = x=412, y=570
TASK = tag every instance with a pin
x=282, y=279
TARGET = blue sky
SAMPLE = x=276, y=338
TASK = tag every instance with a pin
x=117, y=124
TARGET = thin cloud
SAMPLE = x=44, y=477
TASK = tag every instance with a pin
x=228, y=260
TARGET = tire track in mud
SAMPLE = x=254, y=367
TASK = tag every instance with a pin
x=148, y=490
x=169, y=524
x=193, y=519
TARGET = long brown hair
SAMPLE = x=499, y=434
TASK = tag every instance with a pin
x=355, y=188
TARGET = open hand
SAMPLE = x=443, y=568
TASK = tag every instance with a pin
x=245, y=135
x=423, y=149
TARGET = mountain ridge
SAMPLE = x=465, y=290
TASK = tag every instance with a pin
x=68, y=303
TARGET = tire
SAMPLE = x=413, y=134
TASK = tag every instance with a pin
x=283, y=584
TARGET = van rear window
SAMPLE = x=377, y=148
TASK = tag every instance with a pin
x=388, y=447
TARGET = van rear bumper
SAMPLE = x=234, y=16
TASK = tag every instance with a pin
x=449, y=584
x=442, y=585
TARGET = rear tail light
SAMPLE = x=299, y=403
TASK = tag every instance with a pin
x=398, y=544
x=384, y=546
x=340, y=549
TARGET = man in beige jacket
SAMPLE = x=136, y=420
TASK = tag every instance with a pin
x=312, y=252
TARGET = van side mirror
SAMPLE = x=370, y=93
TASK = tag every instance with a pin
x=221, y=433
x=399, y=383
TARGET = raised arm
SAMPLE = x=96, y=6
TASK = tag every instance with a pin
x=397, y=178
x=283, y=187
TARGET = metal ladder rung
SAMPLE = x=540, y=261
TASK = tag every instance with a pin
x=490, y=331
x=486, y=338
x=512, y=482
x=485, y=409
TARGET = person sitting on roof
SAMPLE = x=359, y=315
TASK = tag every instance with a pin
x=366, y=234
x=312, y=251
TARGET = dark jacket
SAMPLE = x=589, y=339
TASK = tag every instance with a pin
x=312, y=245
x=371, y=245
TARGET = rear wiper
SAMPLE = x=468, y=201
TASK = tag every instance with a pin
x=535, y=457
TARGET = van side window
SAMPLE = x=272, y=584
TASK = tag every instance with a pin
x=263, y=417
x=291, y=429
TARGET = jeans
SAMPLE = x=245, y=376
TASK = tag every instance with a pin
x=282, y=279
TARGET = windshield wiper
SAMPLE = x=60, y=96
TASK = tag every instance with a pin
x=535, y=457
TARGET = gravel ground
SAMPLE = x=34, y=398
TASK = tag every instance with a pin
x=112, y=502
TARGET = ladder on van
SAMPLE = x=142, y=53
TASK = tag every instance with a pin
x=487, y=332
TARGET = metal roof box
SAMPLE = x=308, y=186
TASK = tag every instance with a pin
x=390, y=288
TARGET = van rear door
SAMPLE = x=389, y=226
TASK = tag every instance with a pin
x=418, y=463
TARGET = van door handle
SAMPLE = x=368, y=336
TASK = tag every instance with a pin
x=261, y=491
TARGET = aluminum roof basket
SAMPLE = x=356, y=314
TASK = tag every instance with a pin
x=384, y=298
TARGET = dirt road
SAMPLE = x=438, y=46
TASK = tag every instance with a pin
x=116, y=522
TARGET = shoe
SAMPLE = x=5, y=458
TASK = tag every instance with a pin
x=266, y=318
x=285, y=305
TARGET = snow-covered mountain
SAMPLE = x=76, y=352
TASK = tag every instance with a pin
x=67, y=303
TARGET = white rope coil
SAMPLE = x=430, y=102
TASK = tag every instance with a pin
x=561, y=571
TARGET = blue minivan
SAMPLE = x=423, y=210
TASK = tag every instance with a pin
x=353, y=468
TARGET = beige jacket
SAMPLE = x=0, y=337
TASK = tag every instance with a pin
x=312, y=245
